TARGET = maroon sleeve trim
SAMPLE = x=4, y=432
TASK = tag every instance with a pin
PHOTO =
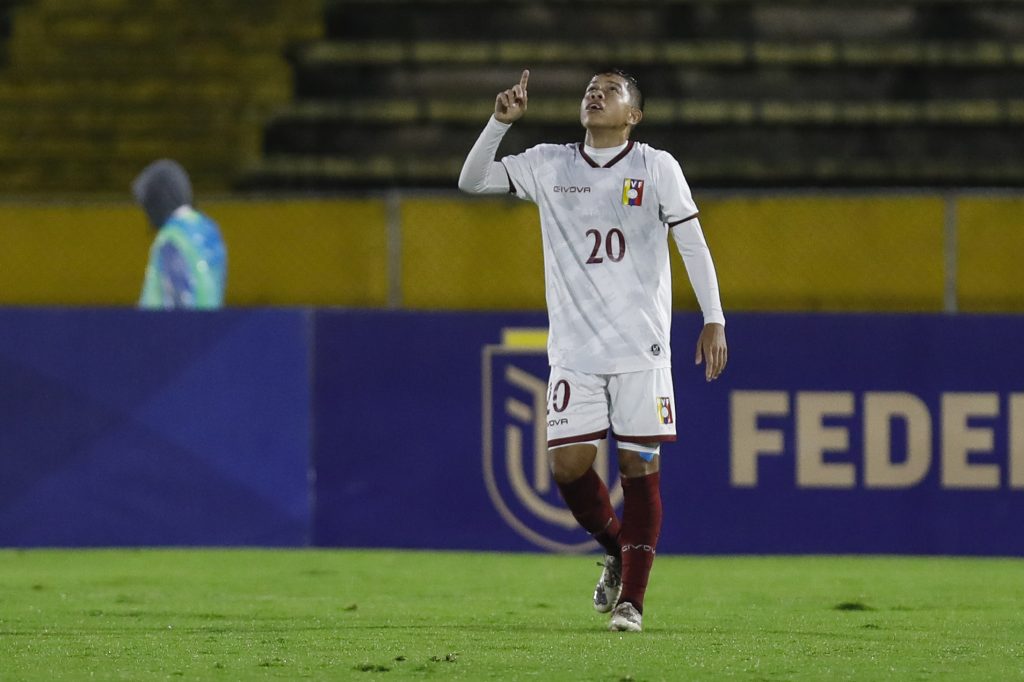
x=578, y=439
x=680, y=222
x=643, y=440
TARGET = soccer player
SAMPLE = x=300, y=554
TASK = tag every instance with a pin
x=607, y=207
x=187, y=261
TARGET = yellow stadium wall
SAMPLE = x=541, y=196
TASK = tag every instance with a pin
x=279, y=253
x=990, y=277
x=771, y=254
x=802, y=253
x=471, y=254
x=810, y=253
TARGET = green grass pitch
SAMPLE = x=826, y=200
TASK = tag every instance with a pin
x=383, y=615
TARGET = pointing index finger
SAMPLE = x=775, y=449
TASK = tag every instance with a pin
x=525, y=77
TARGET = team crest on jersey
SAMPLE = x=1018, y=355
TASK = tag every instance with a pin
x=665, y=410
x=632, y=192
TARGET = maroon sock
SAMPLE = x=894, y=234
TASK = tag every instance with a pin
x=587, y=499
x=641, y=524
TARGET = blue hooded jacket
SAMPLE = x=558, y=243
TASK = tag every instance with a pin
x=187, y=266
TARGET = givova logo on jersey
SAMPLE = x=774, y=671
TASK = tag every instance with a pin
x=632, y=192
x=515, y=466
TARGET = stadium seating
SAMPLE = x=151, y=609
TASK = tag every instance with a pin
x=91, y=90
x=393, y=92
x=846, y=93
x=6, y=20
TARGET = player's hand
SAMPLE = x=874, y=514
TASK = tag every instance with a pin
x=510, y=105
x=711, y=347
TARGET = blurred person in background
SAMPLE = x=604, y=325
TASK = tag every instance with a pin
x=607, y=207
x=187, y=265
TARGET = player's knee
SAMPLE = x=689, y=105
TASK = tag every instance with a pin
x=564, y=473
x=569, y=463
x=638, y=459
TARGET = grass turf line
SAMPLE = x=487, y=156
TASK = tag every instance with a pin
x=384, y=615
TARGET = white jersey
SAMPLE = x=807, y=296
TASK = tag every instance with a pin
x=606, y=261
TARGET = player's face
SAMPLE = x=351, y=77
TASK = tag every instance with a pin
x=606, y=104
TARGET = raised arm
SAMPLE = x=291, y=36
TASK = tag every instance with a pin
x=481, y=174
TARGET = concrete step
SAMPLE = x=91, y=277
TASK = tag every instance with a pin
x=719, y=70
x=416, y=113
x=657, y=20
x=116, y=93
x=326, y=173
x=732, y=52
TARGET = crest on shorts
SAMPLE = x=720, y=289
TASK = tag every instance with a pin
x=632, y=192
x=665, y=410
x=515, y=465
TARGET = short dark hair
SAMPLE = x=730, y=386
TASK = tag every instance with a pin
x=632, y=85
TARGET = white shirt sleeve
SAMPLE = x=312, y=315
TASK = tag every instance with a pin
x=521, y=171
x=481, y=174
x=679, y=211
x=675, y=200
x=699, y=268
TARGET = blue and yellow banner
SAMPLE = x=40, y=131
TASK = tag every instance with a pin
x=826, y=433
